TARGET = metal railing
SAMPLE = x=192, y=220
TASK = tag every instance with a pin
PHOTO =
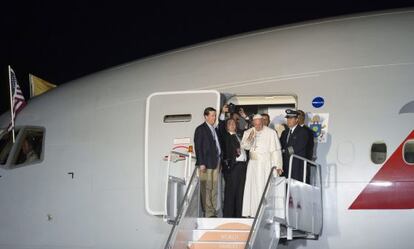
x=316, y=181
x=267, y=221
x=188, y=161
x=263, y=224
x=189, y=208
x=175, y=186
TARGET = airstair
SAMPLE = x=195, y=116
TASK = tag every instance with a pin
x=220, y=233
x=289, y=209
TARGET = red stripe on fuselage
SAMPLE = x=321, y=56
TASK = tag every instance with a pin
x=392, y=187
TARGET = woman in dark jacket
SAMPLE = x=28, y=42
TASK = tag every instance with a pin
x=234, y=169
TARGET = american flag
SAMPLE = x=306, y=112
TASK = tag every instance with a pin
x=18, y=101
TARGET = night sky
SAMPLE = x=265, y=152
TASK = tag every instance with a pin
x=60, y=41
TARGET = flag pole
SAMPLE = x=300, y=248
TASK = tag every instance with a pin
x=31, y=85
x=11, y=105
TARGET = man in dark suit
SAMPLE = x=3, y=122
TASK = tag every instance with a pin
x=311, y=143
x=310, y=154
x=208, y=151
x=294, y=141
x=234, y=169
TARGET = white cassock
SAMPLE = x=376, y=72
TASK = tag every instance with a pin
x=265, y=152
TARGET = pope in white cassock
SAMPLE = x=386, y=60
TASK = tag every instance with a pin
x=265, y=152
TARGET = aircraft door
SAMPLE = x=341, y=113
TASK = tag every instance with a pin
x=171, y=119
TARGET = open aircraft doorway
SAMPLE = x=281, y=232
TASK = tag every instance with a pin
x=171, y=119
x=273, y=105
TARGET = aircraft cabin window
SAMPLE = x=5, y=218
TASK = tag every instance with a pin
x=6, y=144
x=30, y=147
x=177, y=118
x=408, y=152
x=378, y=152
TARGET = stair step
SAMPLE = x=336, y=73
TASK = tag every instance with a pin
x=224, y=223
x=221, y=235
x=216, y=245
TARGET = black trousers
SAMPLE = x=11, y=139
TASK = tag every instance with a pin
x=234, y=190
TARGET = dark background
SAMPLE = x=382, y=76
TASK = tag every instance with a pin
x=60, y=41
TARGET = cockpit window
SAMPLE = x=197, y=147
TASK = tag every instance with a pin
x=6, y=144
x=408, y=152
x=30, y=147
x=378, y=152
x=27, y=149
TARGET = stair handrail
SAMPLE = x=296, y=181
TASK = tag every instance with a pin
x=289, y=180
x=194, y=181
x=187, y=166
x=253, y=230
x=273, y=173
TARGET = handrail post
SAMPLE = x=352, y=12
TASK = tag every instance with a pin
x=189, y=164
x=166, y=185
x=185, y=170
x=305, y=163
x=289, y=179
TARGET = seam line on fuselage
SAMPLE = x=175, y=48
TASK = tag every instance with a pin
x=298, y=76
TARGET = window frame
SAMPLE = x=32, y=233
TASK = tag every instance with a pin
x=15, y=150
x=411, y=141
x=177, y=118
x=263, y=99
x=386, y=151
